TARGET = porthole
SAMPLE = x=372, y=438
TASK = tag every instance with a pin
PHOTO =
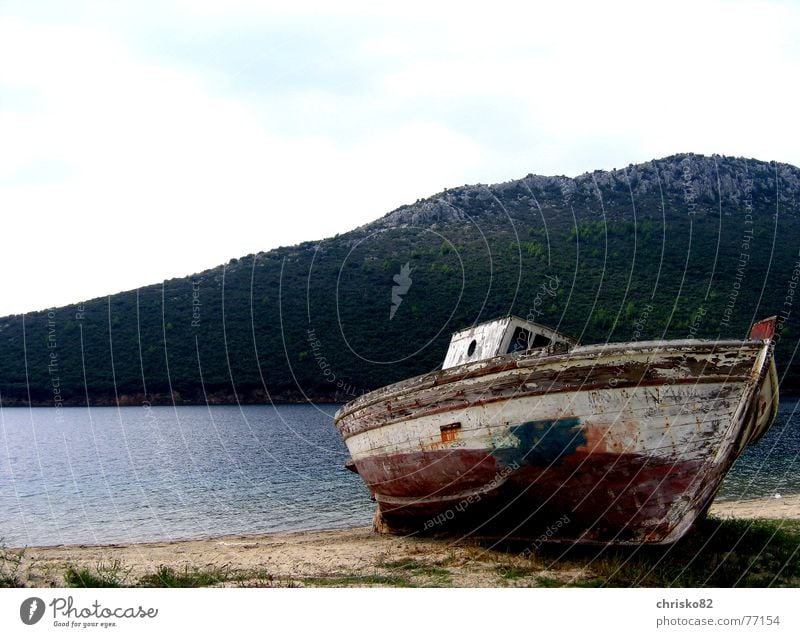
x=471, y=348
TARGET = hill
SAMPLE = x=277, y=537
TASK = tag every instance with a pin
x=677, y=247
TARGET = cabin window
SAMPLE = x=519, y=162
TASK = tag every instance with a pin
x=449, y=432
x=471, y=348
x=523, y=340
x=540, y=341
x=519, y=341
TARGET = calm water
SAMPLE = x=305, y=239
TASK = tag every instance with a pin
x=106, y=475
x=771, y=466
x=135, y=474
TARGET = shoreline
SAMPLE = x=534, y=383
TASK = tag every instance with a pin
x=165, y=400
x=773, y=508
x=353, y=556
x=785, y=507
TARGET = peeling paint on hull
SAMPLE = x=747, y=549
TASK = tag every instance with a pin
x=606, y=497
x=628, y=442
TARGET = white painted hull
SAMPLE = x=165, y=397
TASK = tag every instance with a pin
x=630, y=442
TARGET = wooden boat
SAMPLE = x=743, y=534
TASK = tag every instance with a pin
x=523, y=433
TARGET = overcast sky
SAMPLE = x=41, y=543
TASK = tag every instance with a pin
x=145, y=140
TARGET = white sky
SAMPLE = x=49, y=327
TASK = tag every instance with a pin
x=146, y=140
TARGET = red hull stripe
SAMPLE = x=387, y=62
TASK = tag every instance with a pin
x=604, y=495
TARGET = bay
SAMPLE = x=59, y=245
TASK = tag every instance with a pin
x=137, y=474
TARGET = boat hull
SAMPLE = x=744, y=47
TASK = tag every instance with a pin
x=605, y=444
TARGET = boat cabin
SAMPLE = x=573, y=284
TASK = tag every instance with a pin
x=500, y=336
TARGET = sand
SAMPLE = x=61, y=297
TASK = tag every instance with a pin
x=783, y=508
x=353, y=556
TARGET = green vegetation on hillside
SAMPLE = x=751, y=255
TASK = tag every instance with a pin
x=680, y=247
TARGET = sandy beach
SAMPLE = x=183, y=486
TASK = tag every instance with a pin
x=783, y=508
x=340, y=557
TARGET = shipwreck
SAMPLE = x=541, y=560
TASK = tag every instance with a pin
x=619, y=443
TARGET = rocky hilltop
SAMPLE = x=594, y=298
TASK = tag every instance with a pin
x=713, y=182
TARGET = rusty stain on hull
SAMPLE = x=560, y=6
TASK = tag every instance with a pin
x=629, y=441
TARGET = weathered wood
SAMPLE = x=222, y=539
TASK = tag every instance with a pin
x=629, y=441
